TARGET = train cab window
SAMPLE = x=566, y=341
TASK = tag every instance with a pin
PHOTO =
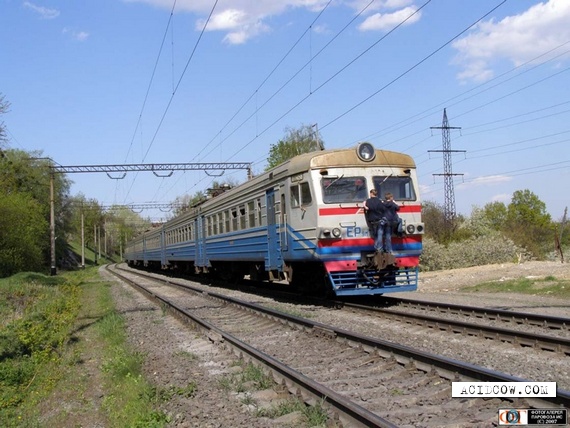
x=401, y=187
x=300, y=195
x=343, y=189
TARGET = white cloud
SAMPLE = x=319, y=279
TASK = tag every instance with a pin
x=501, y=197
x=240, y=19
x=517, y=38
x=44, y=12
x=358, y=5
x=486, y=180
x=387, y=21
x=80, y=36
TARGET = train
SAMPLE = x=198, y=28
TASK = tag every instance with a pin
x=301, y=224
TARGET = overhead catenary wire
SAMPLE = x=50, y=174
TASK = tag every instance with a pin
x=330, y=79
x=284, y=85
x=176, y=88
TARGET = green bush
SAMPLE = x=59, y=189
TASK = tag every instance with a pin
x=471, y=252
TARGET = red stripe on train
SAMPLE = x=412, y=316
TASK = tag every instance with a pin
x=352, y=242
x=350, y=265
x=360, y=210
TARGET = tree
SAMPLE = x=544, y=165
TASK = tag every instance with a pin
x=28, y=175
x=296, y=141
x=496, y=214
x=23, y=234
x=528, y=223
x=526, y=208
x=434, y=219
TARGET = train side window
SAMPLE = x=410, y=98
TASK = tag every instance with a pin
x=210, y=228
x=306, y=197
x=220, y=221
x=242, y=217
x=259, y=213
x=234, y=219
x=251, y=214
x=300, y=195
x=295, y=196
x=226, y=221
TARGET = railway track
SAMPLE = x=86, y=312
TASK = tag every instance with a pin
x=532, y=339
x=490, y=314
x=543, y=332
x=368, y=382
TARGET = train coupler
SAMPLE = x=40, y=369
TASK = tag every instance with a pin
x=378, y=260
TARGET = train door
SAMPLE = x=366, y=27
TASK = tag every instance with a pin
x=273, y=259
x=201, y=260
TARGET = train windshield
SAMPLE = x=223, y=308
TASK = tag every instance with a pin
x=401, y=187
x=343, y=189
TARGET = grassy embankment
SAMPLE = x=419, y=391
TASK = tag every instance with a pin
x=547, y=286
x=64, y=360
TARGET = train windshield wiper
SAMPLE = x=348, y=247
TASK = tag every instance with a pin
x=334, y=181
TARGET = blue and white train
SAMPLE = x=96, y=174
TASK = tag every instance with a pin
x=301, y=222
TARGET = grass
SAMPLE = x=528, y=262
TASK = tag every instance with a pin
x=312, y=415
x=52, y=330
x=253, y=378
x=547, y=286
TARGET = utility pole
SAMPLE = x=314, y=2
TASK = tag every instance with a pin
x=449, y=206
x=53, y=269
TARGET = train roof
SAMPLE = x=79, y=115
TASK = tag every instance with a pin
x=307, y=161
x=343, y=158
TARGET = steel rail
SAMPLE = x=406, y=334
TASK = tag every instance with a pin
x=446, y=367
x=533, y=340
x=504, y=315
x=349, y=412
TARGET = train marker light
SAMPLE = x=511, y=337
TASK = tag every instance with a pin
x=366, y=152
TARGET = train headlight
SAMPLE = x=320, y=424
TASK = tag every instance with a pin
x=336, y=232
x=366, y=152
x=410, y=228
x=420, y=228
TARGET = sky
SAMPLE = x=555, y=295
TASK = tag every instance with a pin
x=112, y=82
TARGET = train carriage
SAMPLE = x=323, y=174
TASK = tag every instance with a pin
x=300, y=222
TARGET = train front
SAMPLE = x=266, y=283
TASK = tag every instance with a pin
x=344, y=244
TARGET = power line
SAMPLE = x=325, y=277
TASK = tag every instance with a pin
x=151, y=79
x=413, y=67
x=176, y=89
x=283, y=86
x=329, y=79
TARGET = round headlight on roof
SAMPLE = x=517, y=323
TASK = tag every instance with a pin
x=366, y=152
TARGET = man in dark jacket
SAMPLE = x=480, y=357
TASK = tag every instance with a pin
x=393, y=220
x=374, y=211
